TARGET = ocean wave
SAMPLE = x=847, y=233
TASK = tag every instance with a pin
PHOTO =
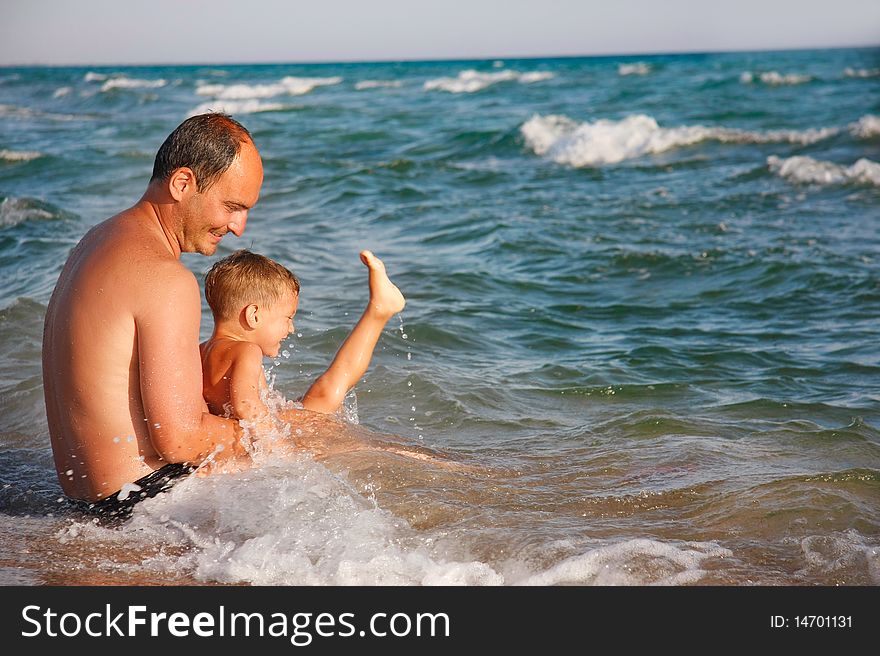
x=91, y=76
x=639, y=68
x=233, y=107
x=616, y=564
x=605, y=141
x=295, y=522
x=131, y=83
x=285, y=523
x=12, y=111
x=62, y=91
x=866, y=127
x=19, y=155
x=18, y=210
x=470, y=81
x=774, y=79
x=861, y=72
x=844, y=554
x=377, y=84
x=807, y=170
x=291, y=86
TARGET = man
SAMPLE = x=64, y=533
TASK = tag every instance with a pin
x=121, y=369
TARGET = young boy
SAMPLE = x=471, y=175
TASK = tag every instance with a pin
x=254, y=300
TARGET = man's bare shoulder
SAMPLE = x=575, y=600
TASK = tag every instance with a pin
x=171, y=287
x=131, y=245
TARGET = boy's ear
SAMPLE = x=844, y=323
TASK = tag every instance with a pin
x=251, y=315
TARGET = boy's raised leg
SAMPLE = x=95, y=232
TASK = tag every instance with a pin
x=353, y=357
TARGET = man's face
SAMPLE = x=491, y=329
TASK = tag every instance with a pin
x=223, y=207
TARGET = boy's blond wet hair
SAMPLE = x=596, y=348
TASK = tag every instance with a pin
x=244, y=278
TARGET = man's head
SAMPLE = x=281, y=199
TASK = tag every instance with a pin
x=255, y=292
x=212, y=170
x=206, y=144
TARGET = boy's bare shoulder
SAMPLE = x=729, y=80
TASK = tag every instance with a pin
x=231, y=350
x=245, y=352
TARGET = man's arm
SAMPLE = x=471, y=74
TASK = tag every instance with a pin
x=170, y=369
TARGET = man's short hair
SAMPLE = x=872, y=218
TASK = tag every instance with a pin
x=244, y=278
x=205, y=143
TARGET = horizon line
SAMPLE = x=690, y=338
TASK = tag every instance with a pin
x=390, y=60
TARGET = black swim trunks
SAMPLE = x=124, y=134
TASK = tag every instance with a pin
x=112, y=508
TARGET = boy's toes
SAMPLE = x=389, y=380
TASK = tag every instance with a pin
x=371, y=260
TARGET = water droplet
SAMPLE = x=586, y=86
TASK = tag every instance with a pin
x=404, y=335
x=285, y=353
x=409, y=356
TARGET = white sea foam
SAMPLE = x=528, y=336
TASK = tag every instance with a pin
x=470, y=81
x=866, y=127
x=291, y=86
x=774, y=79
x=238, y=107
x=639, y=68
x=62, y=91
x=604, y=141
x=131, y=83
x=377, y=84
x=861, y=72
x=19, y=155
x=94, y=77
x=807, y=170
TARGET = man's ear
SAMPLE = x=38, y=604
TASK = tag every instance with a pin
x=182, y=183
x=251, y=316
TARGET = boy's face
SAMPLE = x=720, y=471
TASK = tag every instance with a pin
x=275, y=323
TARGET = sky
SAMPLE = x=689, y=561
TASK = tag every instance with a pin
x=82, y=32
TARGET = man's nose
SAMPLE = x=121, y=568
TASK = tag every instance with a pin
x=236, y=227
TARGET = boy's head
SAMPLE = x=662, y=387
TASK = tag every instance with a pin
x=245, y=278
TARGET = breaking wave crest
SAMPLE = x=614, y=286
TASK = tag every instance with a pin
x=802, y=169
x=604, y=141
x=470, y=81
x=290, y=86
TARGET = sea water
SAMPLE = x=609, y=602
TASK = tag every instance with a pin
x=642, y=306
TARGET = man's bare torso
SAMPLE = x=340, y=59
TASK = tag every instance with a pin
x=94, y=406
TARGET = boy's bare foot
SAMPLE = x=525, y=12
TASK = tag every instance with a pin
x=385, y=297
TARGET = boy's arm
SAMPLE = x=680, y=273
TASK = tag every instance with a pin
x=246, y=378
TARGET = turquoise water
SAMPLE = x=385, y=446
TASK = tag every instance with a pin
x=643, y=297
